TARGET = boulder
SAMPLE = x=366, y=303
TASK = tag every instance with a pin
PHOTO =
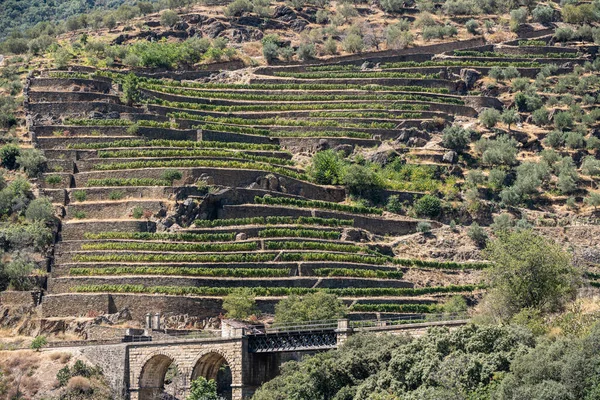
x=450, y=157
x=181, y=26
x=347, y=149
x=298, y=25
x=213, y=30
x=282, y=10
x=113, y=115
x=241, y=236
x=322, y=145
x=250, y=20
x=469, y=76
x=384, y=157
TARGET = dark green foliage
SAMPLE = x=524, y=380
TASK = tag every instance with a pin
x=8, y=156
x=528, y=272
x=456, y=138
x=240, y=304
x=171, y=175
x=477, y=234
x=203, y=389
x=32, y=161
x=363, y=182
x=131, y=93
x=327, y=168
x=560, y=369
x=439, y=365
x=40, y=209
x=428, y=206
x=317, y=306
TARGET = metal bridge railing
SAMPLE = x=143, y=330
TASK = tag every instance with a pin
x=304, y=326
x=407, y=319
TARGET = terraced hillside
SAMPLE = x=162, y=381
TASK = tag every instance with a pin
x=173, y=193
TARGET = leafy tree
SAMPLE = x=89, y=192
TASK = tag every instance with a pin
x=542, y=14
x=203, y=389
x=540, y=117
x=327, y=167
x=318, y=306
x=555, y=139
x=240, y=303
x=502, y=151
x=40, y=209
x=489, y=117
x=456, y=138
x=510, y=116
x=270, y=51
x=394, y=204
x=32, y=161
x=306, y=51
x=561, y=369
x=391, y=6
x=353, y=43
x=563, y=120
x=362, y=181
x=130, y=87
x=477, y=234
x=528, y=271
x=168, y=18
x=472, y=27
x=428, y=206
x=593, y=200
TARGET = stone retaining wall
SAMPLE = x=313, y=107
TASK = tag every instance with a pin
x=375, y=224
x=74, y=230
x=53, y=96
x=227, y=177
x=78, y=108
x=65, y=284
x=92, y=84
x=113, y=209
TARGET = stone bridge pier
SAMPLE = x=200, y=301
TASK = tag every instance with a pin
x=149, y=363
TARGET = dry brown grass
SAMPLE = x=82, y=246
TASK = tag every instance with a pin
x=79, y=384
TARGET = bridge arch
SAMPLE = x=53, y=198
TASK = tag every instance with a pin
x=215, y=364
x=152, y=375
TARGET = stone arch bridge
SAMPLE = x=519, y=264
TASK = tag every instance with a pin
x=245, y=357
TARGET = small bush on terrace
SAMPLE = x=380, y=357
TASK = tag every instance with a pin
x=240, y=304
x=32, y=161
x=327, y=168
x=428, y=206
x=171, y=175
x=489, y=117
x=168, y=18
x=456, y=138
x=317, y=306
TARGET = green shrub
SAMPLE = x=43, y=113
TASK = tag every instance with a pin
x=362, y=181
x=456, y=138
x=40, y=209
x=428, y=206
x=327, y=168
x=423, y=227
x=168, y=18
x=171, y=175
x=489, y=117
x=32, y=161
x=8, y=156
x=477, y=234
x=240, y=304
x=79, y=195
x=270, y=51
x=317, y=306
x=203, y=389
x=38, y=343
x=563, y=120
x=472, y=27
x=540, y=117
x=394, y=204
x=137, y=212
x=53, y=180
x=79, y=215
